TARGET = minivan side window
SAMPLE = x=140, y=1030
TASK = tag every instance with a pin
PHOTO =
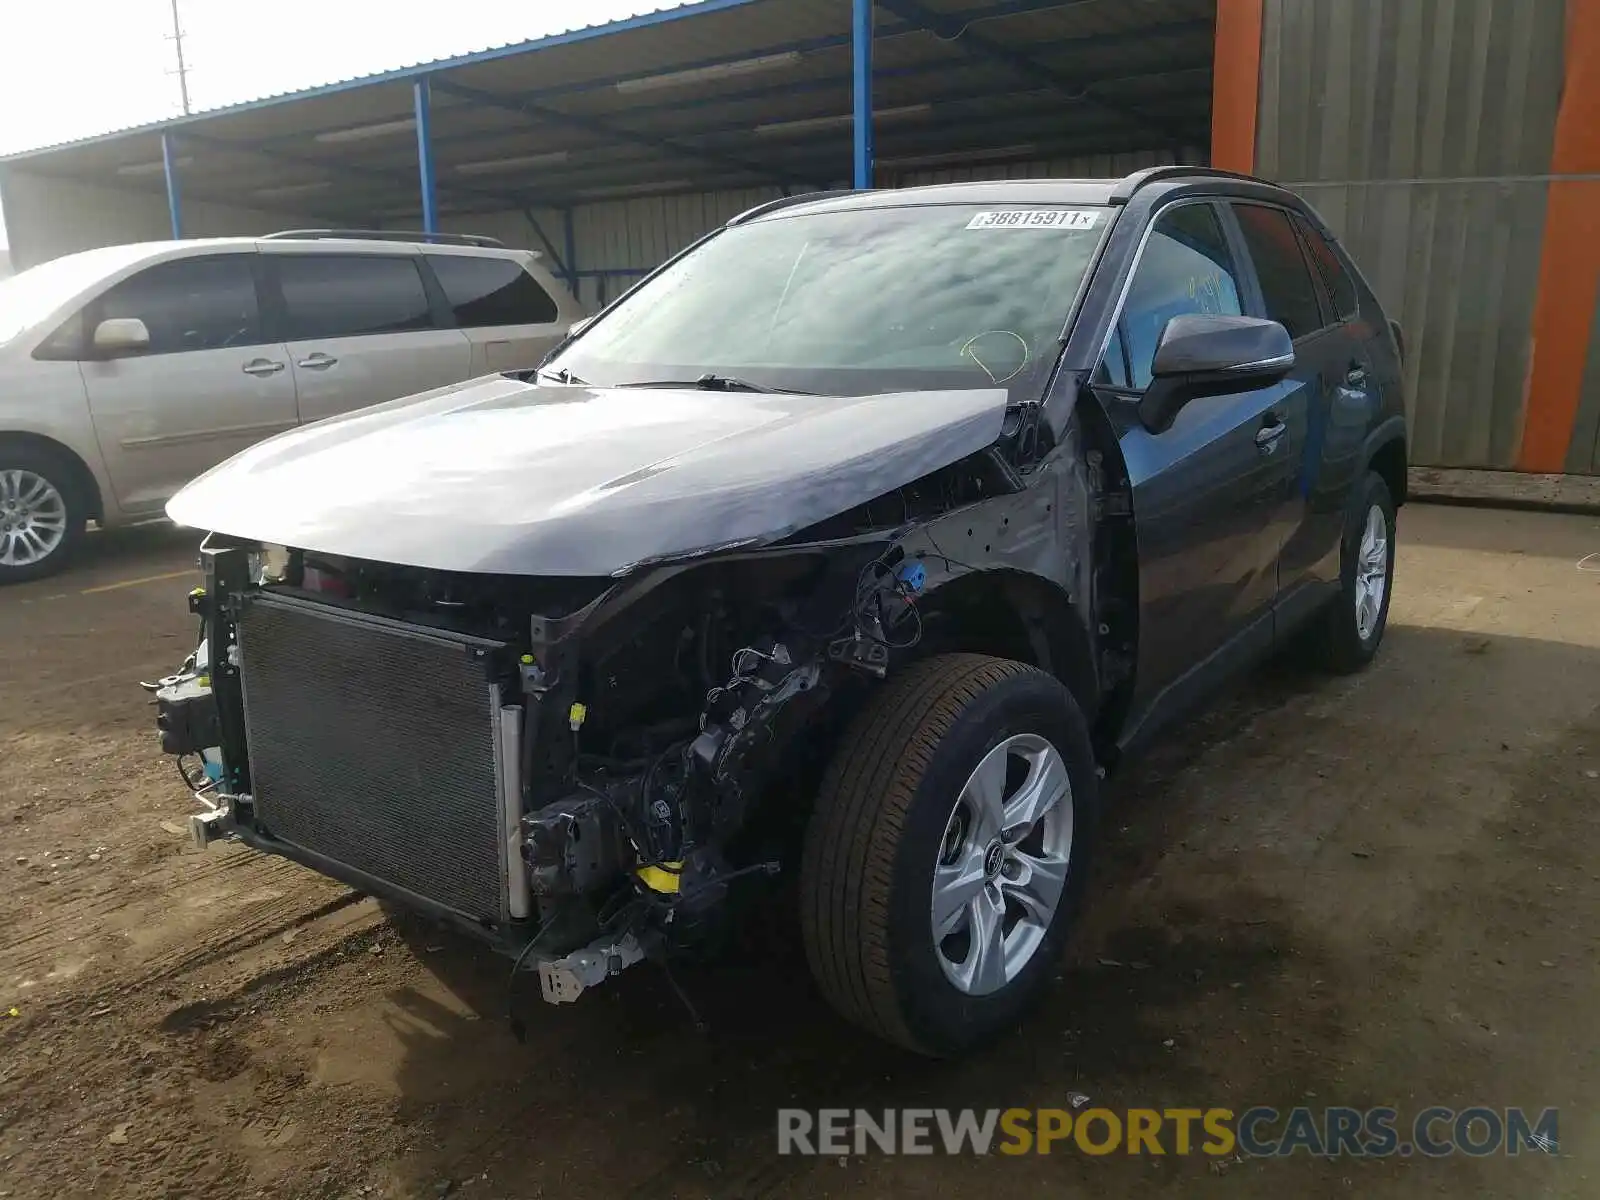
x=1341, y=287
x=1186, y=269
x=491, y=291
x=348, y=295
x=187, y=304
x=1286, y=284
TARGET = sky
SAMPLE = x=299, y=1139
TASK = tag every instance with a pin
x=74, y=68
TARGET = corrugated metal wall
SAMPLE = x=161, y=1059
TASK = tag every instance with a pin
x=1583, y=457
x=47, y=218
x=1422, y=131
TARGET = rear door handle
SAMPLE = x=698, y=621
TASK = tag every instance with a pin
x=316, y=362
x=1267, y=436
x=262, y=367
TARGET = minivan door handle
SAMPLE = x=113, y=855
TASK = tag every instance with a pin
x=262, y=367
x=316, y=362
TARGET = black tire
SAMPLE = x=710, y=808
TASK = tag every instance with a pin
x=61, y=476
x=878, y=830
x=1335, y=641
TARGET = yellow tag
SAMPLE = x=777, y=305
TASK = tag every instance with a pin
x=660, y=879
x=576, y=715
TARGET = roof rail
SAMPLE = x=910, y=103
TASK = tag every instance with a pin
x=782, y=202
x=386, y=235
x=1130, y=184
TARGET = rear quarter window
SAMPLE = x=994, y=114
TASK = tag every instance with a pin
x=1341, y=288
x=491, y=291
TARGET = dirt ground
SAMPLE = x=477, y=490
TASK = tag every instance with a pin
x=1379, y=889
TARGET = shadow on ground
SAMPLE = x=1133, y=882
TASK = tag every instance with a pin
x=1217, y=966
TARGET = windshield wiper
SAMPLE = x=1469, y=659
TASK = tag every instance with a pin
x=562, y=375
x=716, y=383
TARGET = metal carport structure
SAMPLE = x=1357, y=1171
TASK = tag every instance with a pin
x=1453, y=144
x=724, y=101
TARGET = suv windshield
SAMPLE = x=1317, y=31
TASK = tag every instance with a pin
x=853, y=302
x=32, y=295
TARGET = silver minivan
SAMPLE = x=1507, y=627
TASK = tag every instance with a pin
x=126, y=371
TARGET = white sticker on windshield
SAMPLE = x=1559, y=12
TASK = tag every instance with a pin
x=1036, y=218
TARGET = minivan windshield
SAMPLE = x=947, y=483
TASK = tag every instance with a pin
x=32, y=295
x=853, y=302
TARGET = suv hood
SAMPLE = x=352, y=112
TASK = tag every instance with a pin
x=501, y=476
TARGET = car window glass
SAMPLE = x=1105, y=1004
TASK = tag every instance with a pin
x=1286, y=284
x=1113, y=367
x=1186, y=268
x=1340, y=286
x=345, y=295
x=491, y=291
x=857, y=300
x=189, y=304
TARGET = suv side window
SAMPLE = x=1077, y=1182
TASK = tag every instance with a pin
x=347, y=295
x=491, y=291
x=1286, y=284
x=1341, y=287
x=187, y=304
x=1186, y=268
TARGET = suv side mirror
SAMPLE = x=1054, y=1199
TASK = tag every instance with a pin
x=1210, y=355
x=121, y=335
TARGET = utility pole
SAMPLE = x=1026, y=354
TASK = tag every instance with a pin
x=176, y=37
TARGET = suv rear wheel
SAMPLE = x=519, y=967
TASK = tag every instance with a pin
x=41, y=513
x=947, y=853
x=1351, y=628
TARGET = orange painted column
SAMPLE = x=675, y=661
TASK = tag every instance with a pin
x=1569, y=264
x=1236, y=84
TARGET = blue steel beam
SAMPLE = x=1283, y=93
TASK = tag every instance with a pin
x=861, y=81
x=600, y=127
x=507, y=199
x=885, y=29
x=169, y=167
x=947, y=99
x=1077, y=46
x=407, y=74
x=422, y=101
x=549, y=246
x=954, y=29
x=570, y=229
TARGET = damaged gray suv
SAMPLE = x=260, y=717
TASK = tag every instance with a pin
x=850, y=548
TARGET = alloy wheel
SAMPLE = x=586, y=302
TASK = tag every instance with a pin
x=1002, y=865
x=33, y=518
x=1372, y=572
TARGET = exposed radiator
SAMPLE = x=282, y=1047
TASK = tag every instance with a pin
x=374, y=744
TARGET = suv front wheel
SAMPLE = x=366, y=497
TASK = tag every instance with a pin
x=41, y=515
x=947, y=852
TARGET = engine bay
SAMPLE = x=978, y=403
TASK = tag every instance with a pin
x=651, y=711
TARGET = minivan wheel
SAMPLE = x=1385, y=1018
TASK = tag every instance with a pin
x=945, y=860
x=41, y=517
x=1352, y=627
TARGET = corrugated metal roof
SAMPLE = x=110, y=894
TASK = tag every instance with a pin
x=646, y=14
x=605, y=111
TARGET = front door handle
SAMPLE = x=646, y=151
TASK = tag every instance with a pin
x=316, y=362
x=1267, y=436
x=262, y=367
